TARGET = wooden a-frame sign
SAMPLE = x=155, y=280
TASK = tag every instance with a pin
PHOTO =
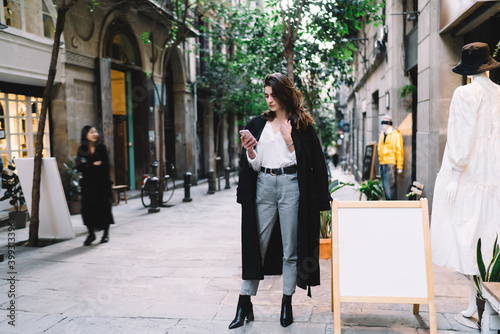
x=381, y=254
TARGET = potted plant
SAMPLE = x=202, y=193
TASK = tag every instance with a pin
x=14, y=192
x=486, y=274
x=325, y=232
x=71, y=184
x=372, y=190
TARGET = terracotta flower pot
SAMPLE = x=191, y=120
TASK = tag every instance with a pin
x=325, y=248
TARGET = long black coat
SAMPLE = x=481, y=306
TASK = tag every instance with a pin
x=96, y=187
x=314, y=197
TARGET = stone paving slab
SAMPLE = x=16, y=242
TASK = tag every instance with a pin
x=179, y=271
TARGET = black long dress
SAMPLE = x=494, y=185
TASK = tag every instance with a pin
x=96, y=187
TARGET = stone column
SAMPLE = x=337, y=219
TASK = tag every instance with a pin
x=436, y=84
x=184, y=129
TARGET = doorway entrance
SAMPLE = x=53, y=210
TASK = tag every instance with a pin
x=122, y=128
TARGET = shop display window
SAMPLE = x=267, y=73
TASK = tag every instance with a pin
x=19, y=116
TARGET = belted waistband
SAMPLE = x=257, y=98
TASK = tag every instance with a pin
x=279, y=171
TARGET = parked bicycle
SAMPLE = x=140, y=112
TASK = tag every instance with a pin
x=166, y=182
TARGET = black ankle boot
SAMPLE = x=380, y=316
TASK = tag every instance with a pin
x=105, y=238
x=286, y=317
x=88, y=241
x=243, y=310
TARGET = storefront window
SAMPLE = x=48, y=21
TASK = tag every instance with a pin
x=19, y=116
x=32, y=16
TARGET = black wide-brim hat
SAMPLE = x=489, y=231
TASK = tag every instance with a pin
x=476, y=59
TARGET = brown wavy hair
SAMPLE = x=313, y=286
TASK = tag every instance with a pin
x=290, y=99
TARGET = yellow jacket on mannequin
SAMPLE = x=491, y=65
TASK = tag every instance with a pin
x=390, y=149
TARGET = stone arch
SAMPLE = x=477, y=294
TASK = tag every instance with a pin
x=178, y=66
x=124, y=120
x=119, y=43
x=178, y=129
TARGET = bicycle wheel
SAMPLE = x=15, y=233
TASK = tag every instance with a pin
x=146, y=201
x=168, y=190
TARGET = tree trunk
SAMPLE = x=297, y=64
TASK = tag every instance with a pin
x=37, y=170
x=289, y=60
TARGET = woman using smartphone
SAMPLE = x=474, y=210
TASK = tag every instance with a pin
x=283, y=185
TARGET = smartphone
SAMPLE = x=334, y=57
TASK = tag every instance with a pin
x=245, y=133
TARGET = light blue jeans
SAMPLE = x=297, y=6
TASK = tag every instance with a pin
x=277, y=196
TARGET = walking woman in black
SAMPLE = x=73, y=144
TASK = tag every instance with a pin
x=283, y=185
x=93, y=162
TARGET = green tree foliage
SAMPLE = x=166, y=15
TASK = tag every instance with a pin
x=322, y=50
x=239, y=57
x=172, y=21
x=308, y=38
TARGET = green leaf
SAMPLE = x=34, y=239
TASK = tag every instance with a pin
x=495, y=247
x=145, y=37
x=477, y=283
x=495, y=270
x=480, y=262
x=332, y=185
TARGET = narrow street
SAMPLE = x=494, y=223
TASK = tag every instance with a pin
x=178, y=271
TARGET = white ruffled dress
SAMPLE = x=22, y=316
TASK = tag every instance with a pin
x=473, y=147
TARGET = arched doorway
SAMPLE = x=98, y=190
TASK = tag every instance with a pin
x=178, y=121
x=129, y=106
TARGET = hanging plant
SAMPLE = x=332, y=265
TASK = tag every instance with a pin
x=406, y=92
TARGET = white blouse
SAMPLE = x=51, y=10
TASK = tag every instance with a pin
x=271, y=151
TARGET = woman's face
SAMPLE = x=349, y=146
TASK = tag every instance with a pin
x=93, y=135
x=272, y=102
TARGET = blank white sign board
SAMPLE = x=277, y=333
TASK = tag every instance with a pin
x=381, y=253
x=54, y=217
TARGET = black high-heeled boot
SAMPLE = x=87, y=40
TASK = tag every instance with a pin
x=243, y=310
x=105, y=236
x=286, y=317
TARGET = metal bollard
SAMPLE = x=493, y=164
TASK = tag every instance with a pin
x=187, y=187
x=211, y=181
x=227, y=171
x=153, y=184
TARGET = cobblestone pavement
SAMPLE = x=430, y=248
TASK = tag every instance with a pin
x=179, y=271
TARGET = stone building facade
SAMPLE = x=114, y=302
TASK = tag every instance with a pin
x=423, y=41
x=109, y=74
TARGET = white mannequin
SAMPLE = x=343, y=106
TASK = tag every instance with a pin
x=386, y=128
x=466, y=204
x=451, y=188
x=451, y=192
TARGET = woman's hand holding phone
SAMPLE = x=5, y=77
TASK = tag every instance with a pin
x=248, y=142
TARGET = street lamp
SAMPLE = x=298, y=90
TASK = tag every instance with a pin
x=412, y=16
